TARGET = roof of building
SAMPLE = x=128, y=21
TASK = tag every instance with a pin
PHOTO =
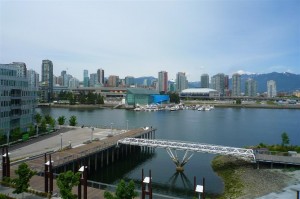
x=142, y=91
x=198, y=90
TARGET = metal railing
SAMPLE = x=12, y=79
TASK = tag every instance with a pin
x=191, y=146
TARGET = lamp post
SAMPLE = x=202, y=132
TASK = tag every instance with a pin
x=111, y=128
x=37, y=129
x=61, y=134
x=82, y=181
x=92, y=133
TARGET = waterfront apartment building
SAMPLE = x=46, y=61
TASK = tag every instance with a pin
x=113, y=81
x=73, y=83
x=218, y=83
x=33, y=79
x=47, y=81
x=162, y=85
x=129, y=81
x=93, y=79
x=236, y=85
x=17, y=100
x=204, y=81
x=86, y=79
x=272, y=91
x=181, y=82
x=251, y=88
x=100, y=76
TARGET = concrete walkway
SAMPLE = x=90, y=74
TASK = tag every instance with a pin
x=287, y=193
x=9, y=192
x=75, y=136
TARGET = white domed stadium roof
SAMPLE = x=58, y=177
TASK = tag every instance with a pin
x=198, y=90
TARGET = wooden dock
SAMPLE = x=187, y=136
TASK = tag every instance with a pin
x=79, y=155
x=277, y=159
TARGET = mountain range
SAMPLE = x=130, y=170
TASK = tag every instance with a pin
x=285, y=82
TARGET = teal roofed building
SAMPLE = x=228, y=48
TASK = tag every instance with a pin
x=143, y=96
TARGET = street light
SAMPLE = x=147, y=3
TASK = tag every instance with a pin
x=61, y=134
x=111, y=130
x=37, y=129
x=92, y=133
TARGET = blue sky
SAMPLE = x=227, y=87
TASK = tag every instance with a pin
x=141, y=38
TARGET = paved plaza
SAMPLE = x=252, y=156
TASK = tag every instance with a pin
x=76, y=136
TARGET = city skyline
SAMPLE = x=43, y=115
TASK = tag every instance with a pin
x=142, y=38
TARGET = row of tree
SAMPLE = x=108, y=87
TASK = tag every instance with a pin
x=65, y=182
x=43, y=124
x=81, y=98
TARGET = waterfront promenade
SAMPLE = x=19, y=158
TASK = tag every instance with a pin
x=80, y=139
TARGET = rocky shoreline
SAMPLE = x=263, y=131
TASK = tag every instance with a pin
x=243, y=181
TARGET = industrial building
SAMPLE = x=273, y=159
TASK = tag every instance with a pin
x=142, y=96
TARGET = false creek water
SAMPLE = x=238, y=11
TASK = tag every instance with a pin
x=222, y=126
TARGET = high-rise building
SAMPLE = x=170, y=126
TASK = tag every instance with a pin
x=63, y=73
x=250, y=88
x=73, y=82
x=162, y=82
x=21, y=69
x=272, y=91
x=129, y=81
x=218, y=83
x=226, y=82
x=67, y=78
x=47, y=81
x=145, y=82
x=113, y=81
x=33, y=79
x=181, y=82
x=100, y=76
x=204, y=81
x=17, y=101
x=93, y=79
x=86, y=78
x=236, y=84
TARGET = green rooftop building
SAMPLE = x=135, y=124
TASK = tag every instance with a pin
x=142, y=96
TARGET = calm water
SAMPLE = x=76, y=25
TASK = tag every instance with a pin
x=222, y=126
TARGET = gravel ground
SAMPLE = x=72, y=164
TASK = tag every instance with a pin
x=260, y=182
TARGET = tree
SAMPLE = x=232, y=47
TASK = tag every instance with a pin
x=22, y=182
x=238, y=101
x=52, y=123
x=73, y=120
x=65, y=182
x=99, y=99
x=31, y=130
x=123, y=191
x=284, y=139
x=38, y=118
x=174, y=97
x=16, y=134
x=61, y=120
x=44, y=125
x=48, y=118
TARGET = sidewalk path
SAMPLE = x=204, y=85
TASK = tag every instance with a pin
x=9, y=191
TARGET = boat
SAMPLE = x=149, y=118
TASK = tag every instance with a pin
x=173, y=108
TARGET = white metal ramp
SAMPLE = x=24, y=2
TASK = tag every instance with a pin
x=189, y=147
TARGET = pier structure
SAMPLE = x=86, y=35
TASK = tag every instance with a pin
x=189, y=148
x=94, y=155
